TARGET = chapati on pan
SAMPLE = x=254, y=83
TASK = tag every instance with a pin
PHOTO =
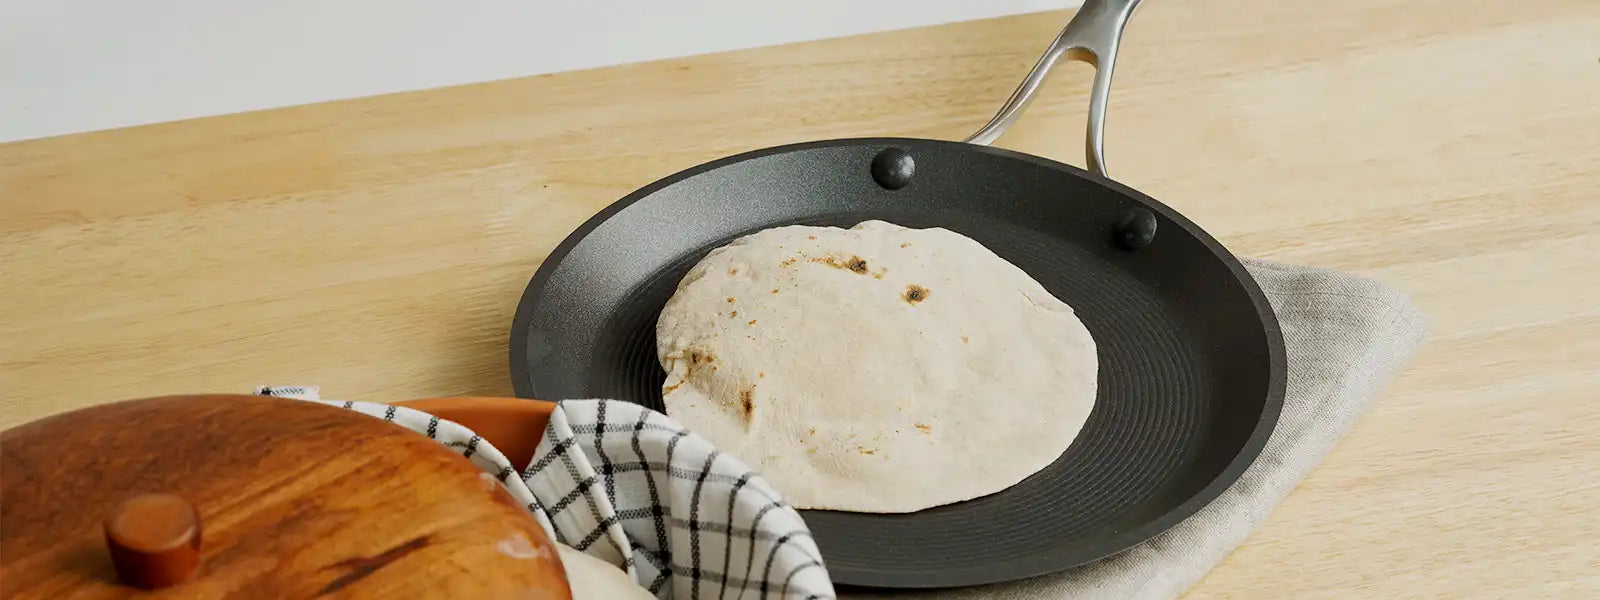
x=875, y=369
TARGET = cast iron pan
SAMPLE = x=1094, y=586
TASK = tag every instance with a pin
x=1191, y=359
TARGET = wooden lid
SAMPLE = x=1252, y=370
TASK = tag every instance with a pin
x=295, y=500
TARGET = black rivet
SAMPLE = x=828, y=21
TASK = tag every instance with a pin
x=892, y=168
x=1136, y=229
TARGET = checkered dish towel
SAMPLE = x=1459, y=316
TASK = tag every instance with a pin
x=630, y=486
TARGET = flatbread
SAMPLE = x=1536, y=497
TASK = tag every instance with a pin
x=875, y=369
x=593, y=579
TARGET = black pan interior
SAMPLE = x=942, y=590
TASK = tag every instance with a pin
x=1191, y=361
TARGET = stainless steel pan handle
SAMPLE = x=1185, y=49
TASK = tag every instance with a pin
x=1091, y=36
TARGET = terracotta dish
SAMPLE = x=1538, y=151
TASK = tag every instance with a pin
x=513, y=425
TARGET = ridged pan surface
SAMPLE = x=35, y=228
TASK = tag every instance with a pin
x=1191, y=372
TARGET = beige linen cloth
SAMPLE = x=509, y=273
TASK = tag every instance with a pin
x=1346, y=338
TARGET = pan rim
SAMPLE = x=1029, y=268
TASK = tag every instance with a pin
x=1014, y=569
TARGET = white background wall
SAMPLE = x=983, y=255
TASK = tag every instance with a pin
x=78, y=65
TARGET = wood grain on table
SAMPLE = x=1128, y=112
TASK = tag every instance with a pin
x=378, y=246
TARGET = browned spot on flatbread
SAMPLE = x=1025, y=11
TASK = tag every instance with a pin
x=964, y=340
x=752, y=321
x=734, y=314
x=747, y=400
x=730, y=299
x=774, y=290
x=733, y=271
x=669, y=389
x=916, y=293
x=811, y=237
x=811, y=431
x=906, y=245
x=695, y=358
x=879, y=274
x=924, y=428
x=854, y=264
x=866, y=450
x=788, y=262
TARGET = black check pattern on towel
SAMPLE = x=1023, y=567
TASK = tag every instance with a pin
x=632, y=487
x=691, y=522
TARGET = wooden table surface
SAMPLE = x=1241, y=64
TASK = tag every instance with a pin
x=378, y=246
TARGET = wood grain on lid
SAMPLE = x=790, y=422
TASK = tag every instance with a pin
x=296, y=500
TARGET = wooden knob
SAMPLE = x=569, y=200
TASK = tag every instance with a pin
x=154, y=540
